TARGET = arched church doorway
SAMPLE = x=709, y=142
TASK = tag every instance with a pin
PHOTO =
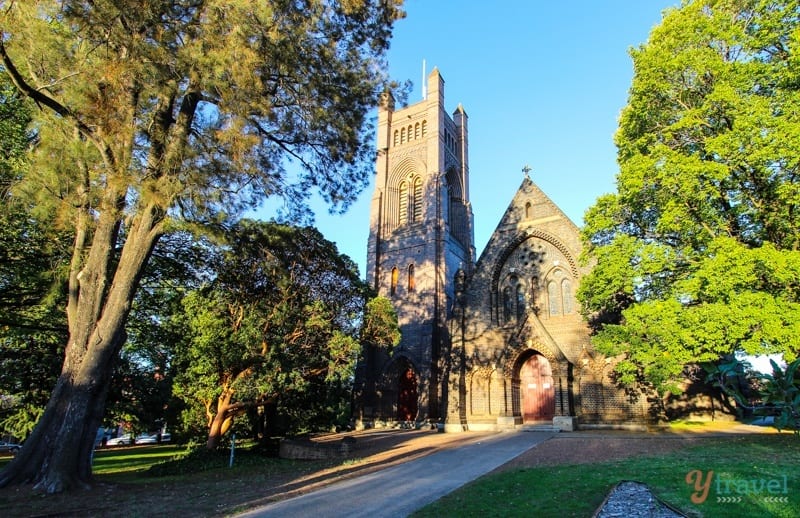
x=407, y=396
x=536, y=389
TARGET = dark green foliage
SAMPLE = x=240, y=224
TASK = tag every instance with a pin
x=274, y=336
x=141, y=386
x=778, y=393
x=32, y=259
x=198, y=459
x=380, y=324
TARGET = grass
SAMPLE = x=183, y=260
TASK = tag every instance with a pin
x=578, y=490
x=146, y=481
x=683, y=425
x=201, y=484
x=126, y=465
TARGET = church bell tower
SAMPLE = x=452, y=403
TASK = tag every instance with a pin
x=421, y=235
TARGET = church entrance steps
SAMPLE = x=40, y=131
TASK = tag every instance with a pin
x=543, y=427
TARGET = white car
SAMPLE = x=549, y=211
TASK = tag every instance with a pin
x=147, y=439
x=122, y=440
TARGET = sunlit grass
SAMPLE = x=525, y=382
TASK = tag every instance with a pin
x=578, y=490
x=122, y=460
x=681, y=425
x=132, y=459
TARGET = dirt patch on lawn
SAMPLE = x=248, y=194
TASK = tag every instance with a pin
x=592, y=447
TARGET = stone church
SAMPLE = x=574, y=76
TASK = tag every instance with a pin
x=491, y=342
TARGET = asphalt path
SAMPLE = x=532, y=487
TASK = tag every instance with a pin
x=402, y=489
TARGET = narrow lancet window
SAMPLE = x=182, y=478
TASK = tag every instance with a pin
x=566, y=296
x=552, y=296
x=521, y=303
x=395, y=275
x=417, y=200
x=402, y=202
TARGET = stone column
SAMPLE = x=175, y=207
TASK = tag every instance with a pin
x=563, y=420
x=506, y=419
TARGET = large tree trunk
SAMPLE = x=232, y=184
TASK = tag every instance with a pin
x=57, y=455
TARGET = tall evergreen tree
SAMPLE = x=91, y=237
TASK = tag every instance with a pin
x=161, y=114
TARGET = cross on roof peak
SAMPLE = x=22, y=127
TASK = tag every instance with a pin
x=526, y=170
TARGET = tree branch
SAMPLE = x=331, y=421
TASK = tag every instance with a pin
x=41, y=98
x=240, y=407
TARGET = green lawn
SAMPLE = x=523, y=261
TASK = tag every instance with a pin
x=126, y=464
x=199, y=482
x=740, y=465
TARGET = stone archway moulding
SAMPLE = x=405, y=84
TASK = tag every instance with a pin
x=406, y=167
x=518, y=350
x=395, y=360
x=521, y=238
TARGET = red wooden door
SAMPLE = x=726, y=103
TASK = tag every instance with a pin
x=536, y=387
x=407, y=396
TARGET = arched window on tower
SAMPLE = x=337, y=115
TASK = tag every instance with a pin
x=395, y=275
x=416, y=215
x=412, y=283
x=424, y=128
x=566, y=296
x=402, y=135
x=396, y=137
x=402, y=203
x=416, y=130
x=528, y=210
x=521, y=303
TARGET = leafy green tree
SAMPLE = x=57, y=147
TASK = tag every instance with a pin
x=171, y=113
x=698, y=253
x=380, y=327
x=380, y=334
x=141, y=385
x=277, y=327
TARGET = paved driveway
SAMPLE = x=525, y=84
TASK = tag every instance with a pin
x=402, y=489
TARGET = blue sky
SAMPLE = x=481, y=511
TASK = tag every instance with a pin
x=542, y=83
